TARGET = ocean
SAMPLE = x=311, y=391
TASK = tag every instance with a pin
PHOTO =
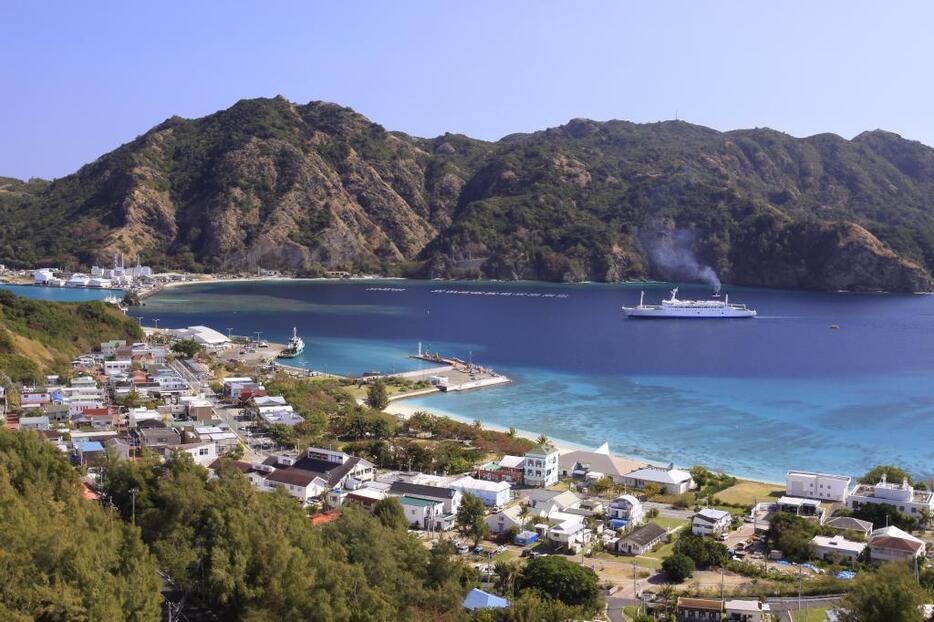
x=750, y=397
x=62, y=294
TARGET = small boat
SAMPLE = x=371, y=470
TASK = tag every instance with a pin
x=295, y=346
x=834, y=326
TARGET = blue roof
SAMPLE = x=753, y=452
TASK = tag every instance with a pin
x=478, y=599
x=89, y=446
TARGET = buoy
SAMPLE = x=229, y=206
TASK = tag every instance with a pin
x=834, y=326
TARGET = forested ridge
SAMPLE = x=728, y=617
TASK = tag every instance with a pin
x=269, y=183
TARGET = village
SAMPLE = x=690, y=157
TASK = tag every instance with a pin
x=661, y=539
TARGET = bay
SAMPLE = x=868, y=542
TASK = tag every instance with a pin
x=751, y=397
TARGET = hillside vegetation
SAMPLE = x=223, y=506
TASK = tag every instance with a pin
x=306, y=187
x=40, y=336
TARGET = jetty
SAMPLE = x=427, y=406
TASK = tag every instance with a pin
x=454, y=374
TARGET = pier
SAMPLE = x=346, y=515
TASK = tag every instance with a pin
x=459, y=375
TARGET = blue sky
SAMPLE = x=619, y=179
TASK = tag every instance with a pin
x=80, y=78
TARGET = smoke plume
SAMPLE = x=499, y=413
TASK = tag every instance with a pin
x=673, y=258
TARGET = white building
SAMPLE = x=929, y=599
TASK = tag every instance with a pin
x=891, y=544
x=203, y=335
x=42, y=276
x=202, y=453
x=626, y=507
x=569, y=534
x=902, y=496
x=541, y=466
x=492, y=494
x=837, y=547
x=501, y=522
x=671, y=480
x=117, y=368
x=817, y=486
x=747, y=611
x=710, y=522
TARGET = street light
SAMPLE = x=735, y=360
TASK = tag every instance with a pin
x=156, y=320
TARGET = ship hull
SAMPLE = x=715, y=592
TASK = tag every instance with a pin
x=687, y=314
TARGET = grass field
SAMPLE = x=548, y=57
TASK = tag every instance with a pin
x=669, y=523
x=810, y=615
x=745, y=492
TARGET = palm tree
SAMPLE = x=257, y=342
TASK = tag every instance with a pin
x=543, y=440
x=512, y=433
x=524, y=514
x=477, y=424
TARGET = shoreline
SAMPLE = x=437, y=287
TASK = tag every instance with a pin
x=398, y=408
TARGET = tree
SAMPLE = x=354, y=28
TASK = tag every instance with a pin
x=792, y=536
x=390, y=514
x=471, y=518
x=705, y=552
x=543, y=440
x=651, y=490
x=881, y=514
x=892, y=473
x=603, y=485
x=236, y=452
x=376, y=395
x=282, y=434
x=888, y=595
x=678, y=567
x=187, y=348
x=559, y=578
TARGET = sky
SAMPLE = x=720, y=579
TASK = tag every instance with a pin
x=81, y=78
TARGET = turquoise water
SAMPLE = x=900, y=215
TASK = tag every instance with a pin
x=62, y=294
x=752, y=397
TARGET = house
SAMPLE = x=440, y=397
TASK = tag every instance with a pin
x=157, y=438
x=508, y=469
x=699, y=609
x=199, y=408
x=449, y=497
x=799, y=507
x=57, y=413
x=893, y=544
x=478, y=599
x=545, y=502
x=582, y=464
x=118, y=447
x=117, y=367
x=421, y=513
x=493, y=494
x=710, y=522
x=501, y=522
x=89, y=452
x=642, y=539
x=337, y=468
x=848, y=523
x=202, y=453
x=569, y=535
x=626, y=508
x=225, y=440
x=109, y=348
x=747, y=611
x=833, y=488
x=34, y=423
x=541, y=466
x=837, y=548
x=301, y=484
x=902, y=496
x=366, y=497
x=671, y=480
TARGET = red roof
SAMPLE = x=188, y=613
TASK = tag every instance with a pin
x=896, y=544
x=96, y=412
x=325, y=517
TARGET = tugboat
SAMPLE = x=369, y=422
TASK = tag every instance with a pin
x=295, y=346
x=701, y=309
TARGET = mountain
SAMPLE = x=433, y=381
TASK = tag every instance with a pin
x=306, y=187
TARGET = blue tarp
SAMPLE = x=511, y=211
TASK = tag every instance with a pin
x=478, y=599
x=618, y=523
x=90, y=446
x=524, y=538
x=846, y=575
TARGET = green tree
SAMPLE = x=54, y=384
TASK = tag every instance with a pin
x=566, y=581
x=471, y=518
x=889, y=595
x=677, y=567
x=792, y=536
x=282, y=434
x=892, y=473
x=705, y=552
x=376, y=395
x=390, y=514
x=187, y=348
x=603, y=485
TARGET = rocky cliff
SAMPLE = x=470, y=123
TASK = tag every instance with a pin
x=306, y=187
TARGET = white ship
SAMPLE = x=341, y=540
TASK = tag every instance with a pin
x=699, y=309
x=295, y=346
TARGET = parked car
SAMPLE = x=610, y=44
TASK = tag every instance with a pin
x=463, y=549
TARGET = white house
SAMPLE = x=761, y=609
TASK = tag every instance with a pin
x=817, y=486
x=902, y=496
x=34, y=423
x=569, y=535
x=643, y=539
x=202, y=453
x=892, y=544
x=421, y=513
x=626, y=507
x=301, y=484
x=541, y=466
x=671, y=480
x=710, y=522
x=449, y=497
x=491, y=493
x=837, y=547
x=501, y=522
x=117, y=368
x=747, y=611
